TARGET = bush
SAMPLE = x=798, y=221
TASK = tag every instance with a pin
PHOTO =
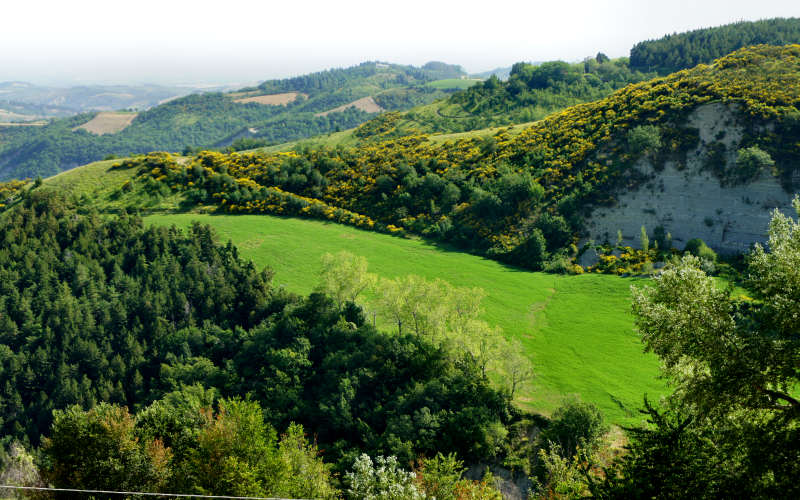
x=575, y=424
x=532, y=253
x=385, y=480
x=750, y=162
x=644, y=139
x=698, y=248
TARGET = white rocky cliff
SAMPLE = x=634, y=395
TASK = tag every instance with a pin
x=691, y=202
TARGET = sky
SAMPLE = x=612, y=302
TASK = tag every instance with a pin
x=233, y=41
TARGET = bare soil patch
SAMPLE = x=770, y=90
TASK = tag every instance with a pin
x=367, y=104
x=271, y=99
x=108, y=122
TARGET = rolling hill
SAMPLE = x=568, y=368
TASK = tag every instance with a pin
x=528, y=196
x=531, y=91
x=219, y=119
x=547, y=174
x=53, y=102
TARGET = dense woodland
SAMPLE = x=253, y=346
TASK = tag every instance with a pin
x=97, y=310
x=530, y=93
x=685, y=50
x=99, y=315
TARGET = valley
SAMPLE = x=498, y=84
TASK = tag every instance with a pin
x=560, y=279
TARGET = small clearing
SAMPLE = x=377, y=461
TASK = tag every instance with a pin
x=108, y=122
x=367, y=104
x=271, y=99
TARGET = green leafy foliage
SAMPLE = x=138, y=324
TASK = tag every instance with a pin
x=383, y=480
x=685, y=50
x=184, y=448
x=698, y=248
x=105, y=310
x=574, y=425
x=731, y=428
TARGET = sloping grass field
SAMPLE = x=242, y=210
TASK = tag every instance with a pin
x=108, y=122
x=577, y=330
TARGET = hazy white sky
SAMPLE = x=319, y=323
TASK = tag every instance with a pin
x=177, y=41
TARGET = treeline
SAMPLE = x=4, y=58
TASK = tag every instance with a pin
x=337, y=78
x=530, y=93
x=686, y=50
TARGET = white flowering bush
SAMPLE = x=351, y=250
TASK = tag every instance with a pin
x=383, y=480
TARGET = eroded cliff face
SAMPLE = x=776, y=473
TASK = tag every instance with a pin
x=691, y=202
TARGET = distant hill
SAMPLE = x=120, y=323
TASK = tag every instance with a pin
x=685, y=50
x=531, y=92
x=501, y=73
x=275, y=111
x=48, y=102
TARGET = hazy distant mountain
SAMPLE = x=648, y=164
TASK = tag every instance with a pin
x=20, y=101
x=501, y=73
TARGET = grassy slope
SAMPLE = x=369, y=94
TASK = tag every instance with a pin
x=576, y=329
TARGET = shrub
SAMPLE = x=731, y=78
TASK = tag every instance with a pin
x=750, y=162
x=698, y=248
x=532, y=253
x=385, y=480
x=575, y=424
x=644, y=139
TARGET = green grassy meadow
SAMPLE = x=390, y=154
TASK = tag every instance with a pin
x=577, y=330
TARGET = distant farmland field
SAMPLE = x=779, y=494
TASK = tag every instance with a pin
x=367, y=104
x=271, y=99
x=108, y=122
x=454, y=83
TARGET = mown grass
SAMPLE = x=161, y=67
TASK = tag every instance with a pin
x=577, y=330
